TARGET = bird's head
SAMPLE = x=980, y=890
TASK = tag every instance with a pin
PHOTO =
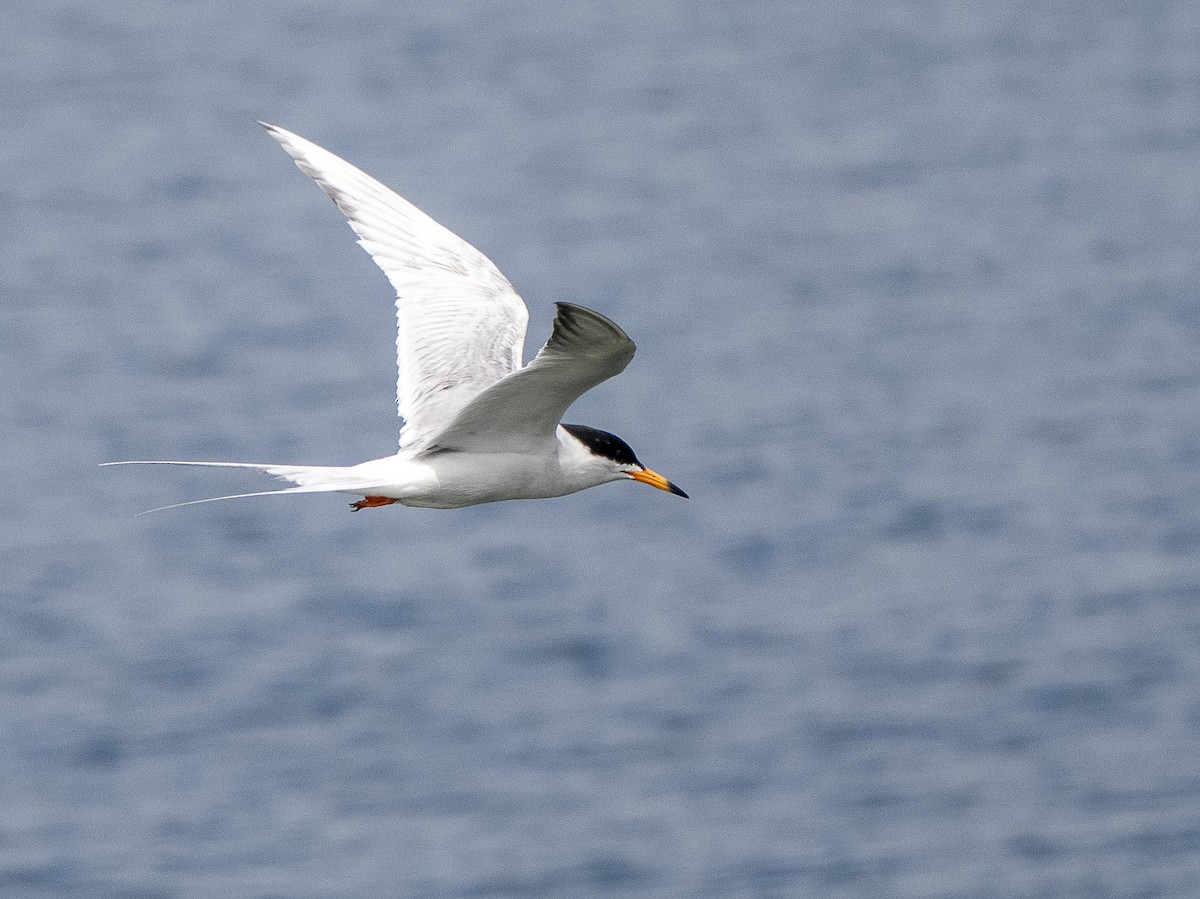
x=611, y=459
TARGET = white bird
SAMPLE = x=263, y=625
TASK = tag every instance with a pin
x=477, y=427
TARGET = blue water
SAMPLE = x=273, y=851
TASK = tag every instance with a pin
x=916, y=293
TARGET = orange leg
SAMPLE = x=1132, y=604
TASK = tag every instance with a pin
x=370, y=502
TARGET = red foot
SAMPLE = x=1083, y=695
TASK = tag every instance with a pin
x=370, y=502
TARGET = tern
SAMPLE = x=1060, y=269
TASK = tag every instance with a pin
x=477, y=426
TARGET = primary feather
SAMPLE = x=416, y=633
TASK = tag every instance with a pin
x=460, y=324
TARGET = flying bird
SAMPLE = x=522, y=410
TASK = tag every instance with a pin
x=477, y=426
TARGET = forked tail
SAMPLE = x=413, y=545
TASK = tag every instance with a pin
x=307, y=478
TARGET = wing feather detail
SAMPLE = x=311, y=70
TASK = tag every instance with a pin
x=521, y=412
x=460, y=323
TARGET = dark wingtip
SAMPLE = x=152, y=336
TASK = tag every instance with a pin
x=573, y=318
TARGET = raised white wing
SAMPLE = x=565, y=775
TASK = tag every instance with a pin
x=520, y=412
x=460, y=324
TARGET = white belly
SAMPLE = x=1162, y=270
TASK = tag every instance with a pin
x=453, y=480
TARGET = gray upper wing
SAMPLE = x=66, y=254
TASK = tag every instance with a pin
x=520, y=412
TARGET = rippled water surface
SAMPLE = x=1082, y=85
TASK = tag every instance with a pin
x=915, y=290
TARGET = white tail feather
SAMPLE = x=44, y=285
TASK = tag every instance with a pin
x=308, y=478
x=213, y=499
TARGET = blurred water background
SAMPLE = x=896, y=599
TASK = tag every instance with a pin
x=915, y=288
